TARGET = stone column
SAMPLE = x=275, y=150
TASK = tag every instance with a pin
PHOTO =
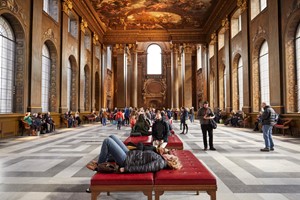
x=176, y=77
x=227, y=52
x=276, y=83
x=35, y=91
x=242, y=4
x=66, y=7
x=187, y=77
x=120, y=94
x=214, y=102
x=134, y=77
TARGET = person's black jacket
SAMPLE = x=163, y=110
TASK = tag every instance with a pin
x=138, y=161
x=160, y=130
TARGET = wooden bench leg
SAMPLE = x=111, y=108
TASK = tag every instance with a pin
x=148, y=194
x=212, y=194
x=158, y=194
x=94, y=195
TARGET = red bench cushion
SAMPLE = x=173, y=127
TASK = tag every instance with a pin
x=174, y=142
x=193, y=172
x=147, y=140
x=122, y=179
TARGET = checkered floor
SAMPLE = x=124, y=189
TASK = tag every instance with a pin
x=53, y=166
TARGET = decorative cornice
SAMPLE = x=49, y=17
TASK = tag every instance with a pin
x=66, y=6
x=242, y=4
x=225, y=23
x=83, y=25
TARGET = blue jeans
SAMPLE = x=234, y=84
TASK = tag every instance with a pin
x=103, y=121
x=115, y=148
x=267, y=132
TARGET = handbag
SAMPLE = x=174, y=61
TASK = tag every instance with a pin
x=107, y=167
x=213, y=123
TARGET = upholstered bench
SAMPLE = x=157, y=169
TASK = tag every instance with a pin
x=121, y=182
x=174, y=141
x=146, y=140
x=193, y=176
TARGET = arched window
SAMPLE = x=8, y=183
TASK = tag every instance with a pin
x=297, y=40
x=240, y=84
x=7, y=55
x=69, y=85
x=154, y=59
x=46, y=64
x=264, y=73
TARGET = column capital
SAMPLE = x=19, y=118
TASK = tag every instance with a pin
x=225, y=23
x=242, y=4
x=213, y=38
x=95, y=38
x=83, y=25
x=66, y=6
x=119, y=48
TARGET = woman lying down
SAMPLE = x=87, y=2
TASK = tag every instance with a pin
x=132, y=161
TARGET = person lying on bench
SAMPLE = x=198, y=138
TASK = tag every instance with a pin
x=135, y=161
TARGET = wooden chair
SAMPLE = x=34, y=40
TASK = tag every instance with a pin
x=286, y=125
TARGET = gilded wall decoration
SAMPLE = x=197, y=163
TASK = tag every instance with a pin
x=255, y=84
x=14, y=7
x=235, y=95
x=153, y=14
x=154, y=90
x=49, y=34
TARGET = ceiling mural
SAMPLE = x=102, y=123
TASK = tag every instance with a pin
x=153, y=14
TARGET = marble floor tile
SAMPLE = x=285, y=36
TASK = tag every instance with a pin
x=52, y=166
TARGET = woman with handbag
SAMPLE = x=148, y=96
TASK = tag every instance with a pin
x=205, y=114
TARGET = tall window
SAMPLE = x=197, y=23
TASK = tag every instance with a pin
x=264, y=73
x=298, y=64
x=69, y=85
x=7, y=52
x=46, y=64
x=73, y=25
x=199, y=56
x=154, y=62
x=51, y=8
x=236, y=23
x=262, y=4
x=240, y=84
x=46, y=6
x=109, y=57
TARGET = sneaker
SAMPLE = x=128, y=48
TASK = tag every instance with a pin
x=205, y=149
x=88, y=190
x=271, y=149
x=265, y=149
x=212, y=148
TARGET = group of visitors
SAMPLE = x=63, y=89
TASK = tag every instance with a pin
x=39, y=123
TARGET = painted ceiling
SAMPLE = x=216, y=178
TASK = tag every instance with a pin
x=153, y=14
